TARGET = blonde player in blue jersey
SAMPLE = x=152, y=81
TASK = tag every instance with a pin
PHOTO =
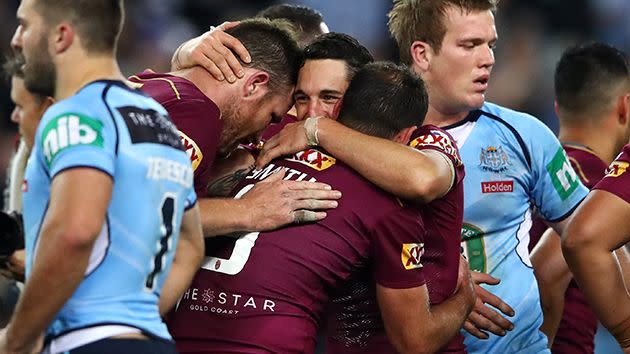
x=106, y=191
x=513, y=162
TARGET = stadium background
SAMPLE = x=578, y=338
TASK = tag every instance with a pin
x=532, y=34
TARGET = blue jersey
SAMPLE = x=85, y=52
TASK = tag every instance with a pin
x=513, y=162
x=127, y=135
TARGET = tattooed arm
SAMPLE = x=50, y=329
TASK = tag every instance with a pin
x=228, y=172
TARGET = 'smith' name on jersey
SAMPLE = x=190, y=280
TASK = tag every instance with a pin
x=169, y=170
x=70, y=129
x=312, y=158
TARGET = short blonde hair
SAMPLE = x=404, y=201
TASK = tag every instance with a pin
x=411, y=20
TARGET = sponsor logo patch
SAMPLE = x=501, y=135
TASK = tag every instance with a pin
x=440, y=141
x=563, y=177
x=494, y=159
x=497, y=187
x=192, y=150
x=68, y=130
x=617, y=168
x=314, y=159
x=411, y=254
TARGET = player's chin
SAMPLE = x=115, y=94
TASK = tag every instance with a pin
x=476, y=100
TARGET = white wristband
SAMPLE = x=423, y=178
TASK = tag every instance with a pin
x=310, y=128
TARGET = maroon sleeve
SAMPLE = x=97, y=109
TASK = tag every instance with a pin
x=617, y=177
x=397, y=249
x=430, y=137
x=200, y=129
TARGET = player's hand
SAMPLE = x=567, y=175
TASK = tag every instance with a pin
x=214, y=51
x=485, y=318
x=291, y=139
x=16, y=264
x=6, y=347
x=465, y=284
x=276, y=202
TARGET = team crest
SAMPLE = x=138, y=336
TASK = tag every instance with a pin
x=617, y=168
x=494, y=159
x=411, y=255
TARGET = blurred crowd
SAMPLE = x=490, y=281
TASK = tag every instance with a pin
x=533, y=33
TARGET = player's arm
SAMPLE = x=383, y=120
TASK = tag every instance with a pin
x=228, y=172
x=553, y=276
x=187, y=260
x=215, y=51
x=600, y=226
x=413, y=325
x=401, y=170
x=79, y=198
x=270, y=204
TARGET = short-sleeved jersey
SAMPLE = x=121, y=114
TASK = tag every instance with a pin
x=512, y=161
x=197, y=118
x=354, y=321
x=265, y=292
x=117, y=130
x=576, y=332
x=616, y=179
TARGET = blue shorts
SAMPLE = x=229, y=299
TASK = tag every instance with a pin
x=127, y=345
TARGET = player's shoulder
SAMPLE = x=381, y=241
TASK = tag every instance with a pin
x=166, y=87
x=516, y=121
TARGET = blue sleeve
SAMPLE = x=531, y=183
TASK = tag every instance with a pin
x=73, y=137
x=191, y=200
x=556, y=188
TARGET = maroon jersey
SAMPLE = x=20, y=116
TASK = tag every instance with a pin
x=577, y=328
x=197, y=118
x=354, y=324
x=265, y=292
x=275, y=128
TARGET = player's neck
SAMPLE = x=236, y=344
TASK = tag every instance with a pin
x=441, y=119
x=206, y=83
x=593, y=137
x=72, y=75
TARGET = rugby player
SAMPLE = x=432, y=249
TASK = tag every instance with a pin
x=512, y=161
x=214, y=116
x=592, y=241
x=104, y=154
x=266, y=283
x=592, y=85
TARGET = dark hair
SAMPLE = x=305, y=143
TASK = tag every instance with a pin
x=588, y=78
x=339, y=46
x=305, y=20
x=424, y=20
x=272, y=48
x=384, y=98
x=12, y=66
x=97, y=22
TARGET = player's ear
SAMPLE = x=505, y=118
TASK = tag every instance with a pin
x=404, y=135
x=623, y=109
x=256, y=85
x=64, y=36
x=421, y=54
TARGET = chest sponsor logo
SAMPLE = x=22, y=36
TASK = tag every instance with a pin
x=192, y=150
x=497, y=187
x=494, y=159
x=563, y=177
x=440, y=141
x=68, y=130
x=411, y=254
x=617, y=168
x=314, y=159
x=223, y=302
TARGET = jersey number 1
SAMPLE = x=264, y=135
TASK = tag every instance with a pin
x=167, y=214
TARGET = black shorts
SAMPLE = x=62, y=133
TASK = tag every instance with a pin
x=127, y=345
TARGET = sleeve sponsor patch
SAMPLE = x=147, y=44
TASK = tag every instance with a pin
x=192, y=150
x=563, y=177
x=68, y=130
x=314, y=159
x=617, y=168
x=411, y=254
x=149, y=126
x=440, y=141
